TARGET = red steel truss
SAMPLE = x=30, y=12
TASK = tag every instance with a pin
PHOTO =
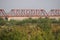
x=2, y=13
x=54, y=12
x=27, y=13
x=30, y=13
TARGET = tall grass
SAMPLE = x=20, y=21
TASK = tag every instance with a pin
x=30, y=29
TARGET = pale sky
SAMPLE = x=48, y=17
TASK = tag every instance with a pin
x=45, y=4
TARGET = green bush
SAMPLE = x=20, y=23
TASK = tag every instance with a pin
x=9, y=34
x=2, y=22
x=44, y=24
x=30, y=29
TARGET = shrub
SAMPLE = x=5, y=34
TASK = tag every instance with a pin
x=2, y=22
x=45, y=24
x=9, y=34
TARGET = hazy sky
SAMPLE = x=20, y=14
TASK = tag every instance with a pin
x=45, y=4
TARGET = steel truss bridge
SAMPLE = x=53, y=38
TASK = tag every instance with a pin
x=30, y=13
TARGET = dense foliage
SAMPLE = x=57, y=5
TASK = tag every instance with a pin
x=30, y=29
